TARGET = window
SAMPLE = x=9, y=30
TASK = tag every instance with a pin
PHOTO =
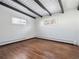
x=16, y=20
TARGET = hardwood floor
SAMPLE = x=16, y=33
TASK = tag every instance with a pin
x=39, y=49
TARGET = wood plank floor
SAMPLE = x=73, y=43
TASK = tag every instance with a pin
x=39, y=49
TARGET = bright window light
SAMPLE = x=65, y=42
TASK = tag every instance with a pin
x=16, y=20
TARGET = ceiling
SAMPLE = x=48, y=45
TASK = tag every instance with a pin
x=31, y=8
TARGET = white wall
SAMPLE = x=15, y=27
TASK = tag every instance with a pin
x=77, y=30
x=10, y=32
x=70, y=4
x=65, y=29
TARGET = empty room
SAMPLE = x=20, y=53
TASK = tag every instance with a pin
x=39, y=29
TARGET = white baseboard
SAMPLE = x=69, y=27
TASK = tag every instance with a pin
x=16, y=40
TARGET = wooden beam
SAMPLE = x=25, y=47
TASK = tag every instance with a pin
x=27, y=7
x=61, y=6
x=42, y=6
x=8, y=6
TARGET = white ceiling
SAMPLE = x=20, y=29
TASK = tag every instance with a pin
x=11, y=3
x=49, y=4
x=34, y=6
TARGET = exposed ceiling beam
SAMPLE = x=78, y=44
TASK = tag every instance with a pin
x=62, y=9
x=8, y=6
x=41, y=5
x=26, y=7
